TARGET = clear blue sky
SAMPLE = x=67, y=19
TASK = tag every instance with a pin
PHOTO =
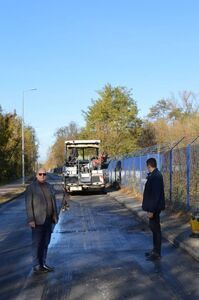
x=70, y=49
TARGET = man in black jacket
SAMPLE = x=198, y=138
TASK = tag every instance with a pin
x=153, y=203
x=41, y=214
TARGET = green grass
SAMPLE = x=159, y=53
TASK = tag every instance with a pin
x=7, y=196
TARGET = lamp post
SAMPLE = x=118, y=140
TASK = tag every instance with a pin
x=22, y=136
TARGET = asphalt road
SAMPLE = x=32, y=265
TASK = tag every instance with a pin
x=98, y=250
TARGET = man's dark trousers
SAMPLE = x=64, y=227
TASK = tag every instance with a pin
x=40, y=240
x=154, y=224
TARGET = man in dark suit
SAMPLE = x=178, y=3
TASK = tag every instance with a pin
x=153, y=203
x=41, y=214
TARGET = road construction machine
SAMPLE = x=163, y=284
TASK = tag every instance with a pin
x=83, y=166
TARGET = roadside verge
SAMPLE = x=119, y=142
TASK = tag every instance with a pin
x=9, y=193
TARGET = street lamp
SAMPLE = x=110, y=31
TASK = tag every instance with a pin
x=22, y=136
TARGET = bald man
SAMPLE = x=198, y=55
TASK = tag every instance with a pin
x=41, y=214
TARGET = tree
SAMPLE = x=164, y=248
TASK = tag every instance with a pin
x=174, y=109
x=4, y=138
x=189, y=103
x=175, y=117
x=10, y=147
x=161, y=110
x=108, y=119
x=31, y=149
x=147, y=137
x=56, y=155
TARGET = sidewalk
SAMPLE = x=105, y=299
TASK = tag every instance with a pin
x=175, y=227
x=11, y=191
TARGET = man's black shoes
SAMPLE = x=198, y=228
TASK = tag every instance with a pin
x=42, y=269
x=152, y=256
x=39, y=270
x=49, y=269
x=147, y=254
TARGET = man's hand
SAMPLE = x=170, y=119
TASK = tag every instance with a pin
x=150, y=215
x=32, y=224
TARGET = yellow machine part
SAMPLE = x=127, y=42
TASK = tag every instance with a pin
x=195, y=225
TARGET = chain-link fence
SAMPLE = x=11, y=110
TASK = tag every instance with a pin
x=178, y=163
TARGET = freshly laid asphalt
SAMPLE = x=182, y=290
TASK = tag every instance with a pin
x=177, y=230
x=98, y=250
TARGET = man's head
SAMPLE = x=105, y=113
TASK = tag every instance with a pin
x=151, y=164
x=41, y=175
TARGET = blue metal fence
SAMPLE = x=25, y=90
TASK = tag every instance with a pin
x=179, y=166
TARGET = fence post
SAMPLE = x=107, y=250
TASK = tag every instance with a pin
x=170, y=174
x=188, y=169
x=158, y=160
x=125, y=162
x=171, y=168
x=140, y=174
x=188, y=162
